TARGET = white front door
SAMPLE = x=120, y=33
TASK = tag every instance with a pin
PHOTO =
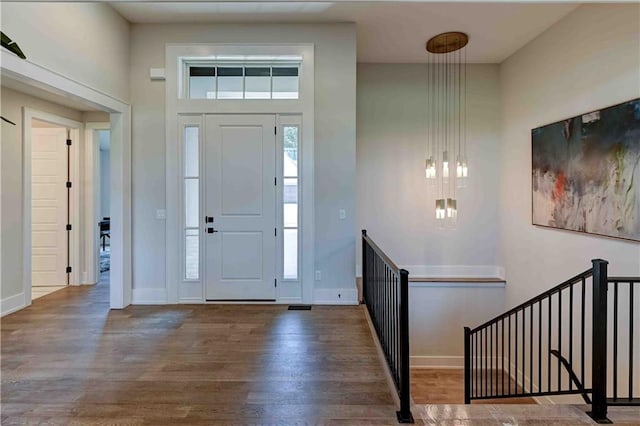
x=48, y=207
x=240, y=197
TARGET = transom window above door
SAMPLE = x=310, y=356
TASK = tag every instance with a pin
x=234, y=80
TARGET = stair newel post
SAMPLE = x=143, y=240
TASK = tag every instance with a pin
x=404, y=415
x=599, y=343
x=467, y=365
x=364, y=266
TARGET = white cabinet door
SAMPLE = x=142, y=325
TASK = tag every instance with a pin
x=48, y=207
x=239, y=191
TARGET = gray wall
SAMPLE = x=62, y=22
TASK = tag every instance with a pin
x=335, y=139
x=394, y=202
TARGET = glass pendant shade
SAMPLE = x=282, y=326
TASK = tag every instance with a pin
x=440, y=209
x=430, y=170
x=445, y=165
x=462, y=172
x=452, y=208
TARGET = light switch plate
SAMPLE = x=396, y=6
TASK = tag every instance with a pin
x=161, y=214
x=343, y=214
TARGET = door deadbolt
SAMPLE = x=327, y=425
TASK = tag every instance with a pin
x=211, y=230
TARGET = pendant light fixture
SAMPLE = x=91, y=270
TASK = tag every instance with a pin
x=446, y=112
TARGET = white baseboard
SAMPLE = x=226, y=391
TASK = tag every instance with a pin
x=422, y=361
x=450, y=271
x=335, y=296
x=12, y=304
x=290, y=300
x=191, y=300
x=149, y=296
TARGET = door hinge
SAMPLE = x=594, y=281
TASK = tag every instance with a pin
x=275, y=181
x=275, y=232
x=68, y=227
x=275, y=282
x=68, y=269
x=68, y=184
x=275, y=130
x=68, y=142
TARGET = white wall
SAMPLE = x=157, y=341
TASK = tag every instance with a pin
x=596, y=65
x=588, y=60
x=86, y=42
x=394, y=203
x=335, y=71
x=438, y=313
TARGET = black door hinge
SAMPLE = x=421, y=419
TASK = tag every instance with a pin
x=68, y=227
x=69, y=142
x=68, y=184
x=275, y=181
x=275, y=232
x=275, y=282
x=68, y=269
x=275, y=130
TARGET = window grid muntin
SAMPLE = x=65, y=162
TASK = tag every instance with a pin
x=277, y=70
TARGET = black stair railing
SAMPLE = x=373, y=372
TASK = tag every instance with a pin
x=385, y=289
x=625, y=291
x=525, y=351
x=539, y=347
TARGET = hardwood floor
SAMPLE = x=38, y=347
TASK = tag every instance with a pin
x=68, y=359
x=446, y=386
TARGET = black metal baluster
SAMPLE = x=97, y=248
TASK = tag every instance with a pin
x=515, y=375
x=491, y=359
x=524, y=339
x=571, y=332
x=559, y=340
x=530, y=349
x=631, y=308
x=502, y=352
x=549, y=348
x=582, y=332
x=615, y=340
x=509, y=334
x=540, y=346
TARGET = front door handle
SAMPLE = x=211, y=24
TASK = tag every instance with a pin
x=211, y=230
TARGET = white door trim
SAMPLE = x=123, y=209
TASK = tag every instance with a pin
x=304, y=106
x=91, y=273
x=43, y=78
x=28, y=116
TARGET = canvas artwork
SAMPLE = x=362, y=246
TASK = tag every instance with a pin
x=586, y=172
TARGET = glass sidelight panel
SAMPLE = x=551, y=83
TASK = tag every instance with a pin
x=191, y=191
x=290, y=191
x=290, y=254
x=192, y=254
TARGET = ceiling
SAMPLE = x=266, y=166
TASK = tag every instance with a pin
x=393, y=32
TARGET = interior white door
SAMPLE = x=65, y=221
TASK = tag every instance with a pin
x=240, y=196
x=48, y=207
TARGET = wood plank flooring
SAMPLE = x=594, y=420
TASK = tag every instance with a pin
x=446, y=386
x=67, y=359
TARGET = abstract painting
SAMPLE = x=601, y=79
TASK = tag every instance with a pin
x=586, y=172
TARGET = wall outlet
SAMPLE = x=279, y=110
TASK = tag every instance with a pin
x=318, y=275
x=342, y=213
x=161, y=214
